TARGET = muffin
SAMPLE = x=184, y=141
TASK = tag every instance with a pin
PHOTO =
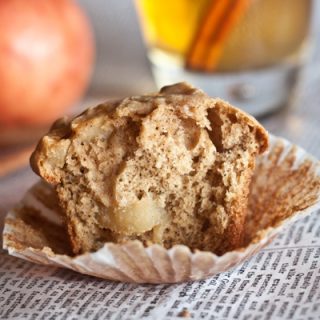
x=170, y=168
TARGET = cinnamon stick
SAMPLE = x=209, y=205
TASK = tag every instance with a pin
x=207, y=47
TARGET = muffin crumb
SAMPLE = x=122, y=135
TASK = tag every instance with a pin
x=167, y=168
x=184, y=313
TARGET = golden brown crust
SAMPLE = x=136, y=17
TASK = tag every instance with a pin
x=60, y=129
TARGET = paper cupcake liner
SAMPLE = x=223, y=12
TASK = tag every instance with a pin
x=285, y=187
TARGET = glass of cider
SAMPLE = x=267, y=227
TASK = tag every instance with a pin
x=248, y=52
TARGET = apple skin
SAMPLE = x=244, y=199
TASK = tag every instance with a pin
x=46, y=59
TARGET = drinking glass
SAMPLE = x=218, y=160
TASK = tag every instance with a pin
x=248, y=52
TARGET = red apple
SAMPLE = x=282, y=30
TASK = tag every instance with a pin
x=46, y=58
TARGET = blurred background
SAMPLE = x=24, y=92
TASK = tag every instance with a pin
x=112, y=60
x=122, y=66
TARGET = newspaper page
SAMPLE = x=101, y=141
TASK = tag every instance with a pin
x=280, y=282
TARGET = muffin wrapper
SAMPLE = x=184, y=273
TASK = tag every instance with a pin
x=285, y=187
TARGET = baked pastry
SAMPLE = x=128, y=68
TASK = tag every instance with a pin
x=168, y=168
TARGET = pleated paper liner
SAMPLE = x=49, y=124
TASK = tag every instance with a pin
x=285, y=187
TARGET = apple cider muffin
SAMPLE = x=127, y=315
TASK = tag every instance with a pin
x=169, y=168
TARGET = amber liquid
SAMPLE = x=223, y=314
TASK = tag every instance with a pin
x=267, y=33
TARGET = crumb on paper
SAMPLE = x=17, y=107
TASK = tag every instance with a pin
x=184, y=313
